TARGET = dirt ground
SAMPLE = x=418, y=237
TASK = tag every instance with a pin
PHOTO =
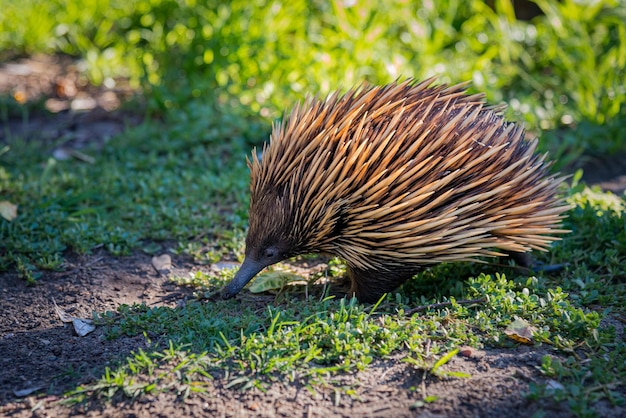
x=38, y=351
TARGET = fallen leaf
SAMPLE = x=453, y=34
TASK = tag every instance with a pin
x=553, y=386
x=466, y=351
x=25, y=392
x=162, y=263
x=520, y=331
x=64, y=316
x=273, y=280
x=83, y=326
x=8, y=210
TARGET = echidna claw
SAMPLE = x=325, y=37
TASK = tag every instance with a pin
x=548, y=268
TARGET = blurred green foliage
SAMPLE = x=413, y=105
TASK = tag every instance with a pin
x=565, y=66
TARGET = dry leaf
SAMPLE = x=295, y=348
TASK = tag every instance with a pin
x=83, y=326
x=64, y=316
x=162, y=263
x=8, y=210
x=553, y=385
x=466, y=351
x=25, y=392
x=520, y=331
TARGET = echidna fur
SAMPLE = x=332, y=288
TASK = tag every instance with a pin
x=394, y=178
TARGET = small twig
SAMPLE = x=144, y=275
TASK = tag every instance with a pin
x=444, y=305
x=423, y=384
x=325, y=288
x=605, y=387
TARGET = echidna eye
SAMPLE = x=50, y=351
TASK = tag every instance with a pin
x=270, y=253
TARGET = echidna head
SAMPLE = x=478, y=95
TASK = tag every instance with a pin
x=269, y=240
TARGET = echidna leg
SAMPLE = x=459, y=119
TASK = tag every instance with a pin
x=370, y=285
x=526, y=260
x=521, y=259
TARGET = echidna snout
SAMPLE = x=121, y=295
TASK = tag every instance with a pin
x=246, y=272
x=395, y=178
x=255, y=261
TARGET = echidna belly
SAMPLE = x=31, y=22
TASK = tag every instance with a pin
x=369, y=285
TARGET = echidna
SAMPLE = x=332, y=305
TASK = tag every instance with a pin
x=394, y=178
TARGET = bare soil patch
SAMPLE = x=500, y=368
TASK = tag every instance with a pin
x=37, y=350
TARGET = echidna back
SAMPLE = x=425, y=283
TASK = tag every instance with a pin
x=397, y=177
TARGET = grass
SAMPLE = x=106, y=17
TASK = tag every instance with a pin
x=312, y=339
x=170, y=179
x=309, y=342
x=181, y=178
x=174, y=178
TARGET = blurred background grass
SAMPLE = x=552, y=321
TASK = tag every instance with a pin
x=562, y=66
